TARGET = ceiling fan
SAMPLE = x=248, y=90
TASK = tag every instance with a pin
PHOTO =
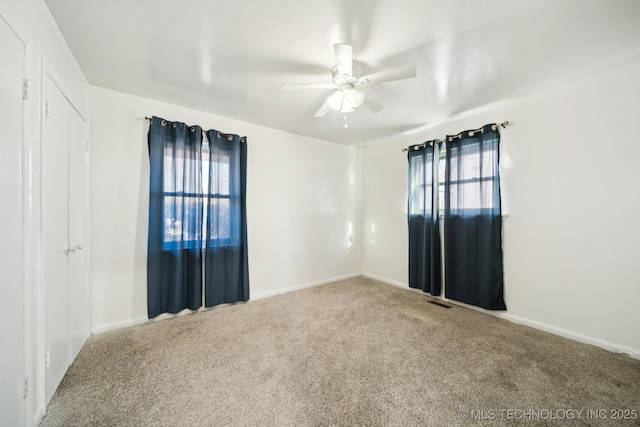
x=348, y=83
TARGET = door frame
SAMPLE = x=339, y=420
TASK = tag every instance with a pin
x=27, y=221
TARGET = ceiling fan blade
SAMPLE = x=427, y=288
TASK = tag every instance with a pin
x=310, y=86
x=373, y=104
x=344, y=58
x=401, y=73
x=323, y=110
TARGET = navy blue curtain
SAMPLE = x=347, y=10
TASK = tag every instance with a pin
x=423, y=217
x=226, y=257
x=473, y=219
x=174, y=265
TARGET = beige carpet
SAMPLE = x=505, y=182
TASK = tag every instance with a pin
x=356, y=352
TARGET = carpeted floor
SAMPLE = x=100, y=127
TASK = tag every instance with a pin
x=356, y=352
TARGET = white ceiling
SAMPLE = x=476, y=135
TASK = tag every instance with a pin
x=231, y=58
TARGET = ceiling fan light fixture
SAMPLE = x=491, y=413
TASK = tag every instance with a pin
x=346, y=106
x=346, y=100
x=356, y=97
x=335, y=100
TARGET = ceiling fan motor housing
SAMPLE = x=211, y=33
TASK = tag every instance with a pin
x=344, y=79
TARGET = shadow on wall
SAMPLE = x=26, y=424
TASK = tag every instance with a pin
x=139, y=290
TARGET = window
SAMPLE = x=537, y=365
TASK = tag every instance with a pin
x=420, y=186
x=184, y=212
x=218, y=207
x=441, y=170
x=182, y=198
x=421, y=179
x=468, y=168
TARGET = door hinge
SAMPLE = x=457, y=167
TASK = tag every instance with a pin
x=86, y=146
x=25, y=89
x=26, y=387
x=47, y=110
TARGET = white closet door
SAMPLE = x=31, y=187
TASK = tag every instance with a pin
x=66, y=316
x=12, y=406
x=55, y=236
x=78, y=274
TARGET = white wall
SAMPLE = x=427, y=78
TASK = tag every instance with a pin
x=303, y=198
x=570, y=189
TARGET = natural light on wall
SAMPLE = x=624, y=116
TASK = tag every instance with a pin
x=373, y=233
x=349, y=236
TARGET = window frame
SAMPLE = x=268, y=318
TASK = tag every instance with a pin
x=442, y=170
x=205, y=198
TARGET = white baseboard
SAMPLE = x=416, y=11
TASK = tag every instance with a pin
x=138, y=321
x=118, y=325
x=615, y=348
x=267, y=294
x=39, y=415
x=389, y=282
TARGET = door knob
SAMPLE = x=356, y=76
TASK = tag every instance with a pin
x=69, y=249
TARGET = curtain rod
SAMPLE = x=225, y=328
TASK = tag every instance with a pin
x=204, y=132
x=451, y=138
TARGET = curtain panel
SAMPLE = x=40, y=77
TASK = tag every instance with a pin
x=174, y=263
x=473, y=219
x=423, y=218
x=197, y=218
x=226, y=254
